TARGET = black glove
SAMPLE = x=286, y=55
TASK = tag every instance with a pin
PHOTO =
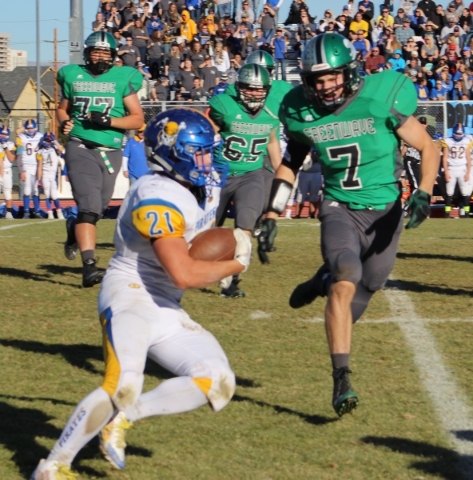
x=100, y=119
x=419, y=204
x=269, y=230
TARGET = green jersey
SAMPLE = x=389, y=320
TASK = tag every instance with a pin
x=104, y=93
x=357, y=144
x=245, y=136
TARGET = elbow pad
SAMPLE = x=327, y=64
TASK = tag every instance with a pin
x=280, y=192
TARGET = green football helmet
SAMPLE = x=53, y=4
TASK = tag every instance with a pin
x=100, y=41
x=329, y=53
x=260, y=57
x=252, y=78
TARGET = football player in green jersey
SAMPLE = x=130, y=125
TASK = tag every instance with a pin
x=279, y=88
x=355, y=125
x=248, y=121
x=98, y=104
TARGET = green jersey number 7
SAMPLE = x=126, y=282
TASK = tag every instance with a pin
x=350, y=153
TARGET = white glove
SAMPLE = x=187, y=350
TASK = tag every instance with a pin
x=243, y=248
x=10, y=146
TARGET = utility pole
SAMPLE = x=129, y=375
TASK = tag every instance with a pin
x=76, y=32
x=39, y=111
x=54, y=127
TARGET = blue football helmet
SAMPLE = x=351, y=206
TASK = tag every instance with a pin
x=177, y=141
x=437, y=136
x=457, y=132
x=30, y=127
x=4, y=134
x=47, y=140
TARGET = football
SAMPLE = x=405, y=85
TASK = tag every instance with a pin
x=213, y=245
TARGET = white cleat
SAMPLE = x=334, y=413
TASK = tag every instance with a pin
x=112, y=440
x=59, y=214
x=50, y=215
x=9, y=216
x=52, y=470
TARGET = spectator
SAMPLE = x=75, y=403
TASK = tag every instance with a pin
x=160, y=90
x=154, y=24
x=429, y=8
x=134, y=162
x=465, y=21
x=458, y=7
x=267, y=22
x=405, y=32
x=438, y=18
x=162, y=7
x=389, y=44
x=368, y=8
x=194, y=8
x=245, y=10
x=409, y=48
x=197, y=56
x=378, y=32
x=361, y=44
x=398, y=19
x=222, y=85
x=397, y=62
x=428, y=28
x=295, y=12
x=155, y=54
x=346, y=25
x=248, y=45
x=413, y=65
x=115, y=19
x=374, y=62
x=467, y=57
x=449, y=45
x=279, y=44
x=188, y=26
x=121, y=40
x=451, y=12
x=332, y=26
x=203, y=35
x=358, y=24
x=418, y=21
x=140, y=38
x=212, y=26
x=223, y=8
x=99, y=23
x=129, y=54
x=208, y=74
x=386, y=17
x=198, y=92
x=186, y=76
x=173, y=63
x=118, y=62
x=220, y=58
x=171, y=13
x=348, y=14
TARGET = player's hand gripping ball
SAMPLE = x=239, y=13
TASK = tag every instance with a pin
x=214, y=245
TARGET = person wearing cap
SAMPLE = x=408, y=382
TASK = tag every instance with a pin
x=267, y=22
x=403, y=33
x=451, y=28
x=280, y=48
x=358, y=24
x=458, y=7
x=134, y=163
x=222, y=85
x=467, y=58
x=305, y=30
x=245, y=9
x=397, y=62
x=386, y=17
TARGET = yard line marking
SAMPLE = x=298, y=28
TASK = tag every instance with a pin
x=449, y=402
x=27, y=224
x=394, y=320
x=257, y=314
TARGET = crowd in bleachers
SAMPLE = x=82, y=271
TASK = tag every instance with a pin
x=186, y=48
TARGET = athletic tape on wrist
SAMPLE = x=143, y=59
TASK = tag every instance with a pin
x=280, y=192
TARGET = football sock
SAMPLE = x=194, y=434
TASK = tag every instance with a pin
x=9, y=209
x=57, y=203
x=87, y=255
x=466, y=203
x=89, y=417
x=26, y=203
x=48, y=204
x=340, y=360
x=176, y=395
x=36, y=203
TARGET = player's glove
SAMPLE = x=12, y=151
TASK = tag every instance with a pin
x=100, y=119
x=266, y=239
x=243, y=248
x=10, y=146
x=419, y=205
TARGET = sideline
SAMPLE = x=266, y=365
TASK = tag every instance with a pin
x=33, y=222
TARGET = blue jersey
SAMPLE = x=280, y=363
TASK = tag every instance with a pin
x=220, y=88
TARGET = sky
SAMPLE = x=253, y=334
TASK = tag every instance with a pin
x=21, y=25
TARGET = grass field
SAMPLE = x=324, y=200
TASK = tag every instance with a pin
x=412, y=367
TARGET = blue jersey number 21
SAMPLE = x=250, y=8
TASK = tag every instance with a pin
x=154, y=229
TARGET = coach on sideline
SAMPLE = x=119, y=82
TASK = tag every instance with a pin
x=98, y=104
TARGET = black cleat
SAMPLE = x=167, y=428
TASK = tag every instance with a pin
x=233, y=291
x=344, y=398
x=70, y=246
x=91, y=275
x=305, y=293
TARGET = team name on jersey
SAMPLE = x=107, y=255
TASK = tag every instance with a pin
x=251, y=128
x=99, y=87
x=340, y=130
x=207, y=218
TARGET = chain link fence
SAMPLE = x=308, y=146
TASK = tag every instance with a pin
x=435, y=113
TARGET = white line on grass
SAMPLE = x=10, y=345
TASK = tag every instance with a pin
x=394, y=320
x=18, y=225
x=450, y=404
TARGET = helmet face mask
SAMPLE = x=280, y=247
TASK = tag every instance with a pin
x=96, y=43
x=30, y=127
x=253, y=85
x=184, y=144
x=329, y=54
x=457, y=132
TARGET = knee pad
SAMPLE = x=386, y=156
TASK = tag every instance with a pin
x=87, y=217
x=217, y=382
x=128, y=391
x=347, y=267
